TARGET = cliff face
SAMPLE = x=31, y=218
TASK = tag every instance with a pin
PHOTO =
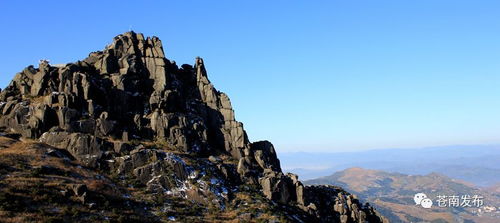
x=128, y=112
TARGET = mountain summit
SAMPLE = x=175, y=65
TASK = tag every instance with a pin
x=127, y=135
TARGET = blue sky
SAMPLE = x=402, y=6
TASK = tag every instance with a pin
x=309, y=75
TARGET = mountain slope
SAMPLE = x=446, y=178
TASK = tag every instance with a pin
x=160, y=135
x=476, y=164
x=392, y=194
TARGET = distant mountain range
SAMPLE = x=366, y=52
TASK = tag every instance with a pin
x=392, y=194
x=477, y=164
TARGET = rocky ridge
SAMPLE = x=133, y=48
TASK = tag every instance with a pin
x=129, y=112
x=392, y=194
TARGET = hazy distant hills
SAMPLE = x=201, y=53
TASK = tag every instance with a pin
x=478, y=164
x=392, y=194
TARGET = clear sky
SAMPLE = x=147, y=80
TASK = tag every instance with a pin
x=307, y=75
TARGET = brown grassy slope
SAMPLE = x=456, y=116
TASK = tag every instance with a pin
x=36, y=186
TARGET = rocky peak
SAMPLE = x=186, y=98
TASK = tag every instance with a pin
x=129, y=110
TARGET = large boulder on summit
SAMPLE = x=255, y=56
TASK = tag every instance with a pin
x=123, y=88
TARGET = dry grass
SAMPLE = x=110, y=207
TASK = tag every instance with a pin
x=37, y=194
x=31, y=154
x=31, y=191
x=23, y=217
x=6, y=142
x=426, y=214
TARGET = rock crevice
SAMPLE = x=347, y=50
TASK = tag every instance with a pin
x=98, y=109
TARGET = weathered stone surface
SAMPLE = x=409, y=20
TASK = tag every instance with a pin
x=278, y=187
x=119, y=109
x=84, y=147
x=122, y=147
x=265, y=155
x=332, y=202
x=243, y=168
x=229, y=130
x=214, y=159
x=156, y=169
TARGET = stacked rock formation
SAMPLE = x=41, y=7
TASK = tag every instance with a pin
x=100, y=107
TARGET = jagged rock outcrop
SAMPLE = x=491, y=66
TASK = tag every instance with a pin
x=119, y=110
